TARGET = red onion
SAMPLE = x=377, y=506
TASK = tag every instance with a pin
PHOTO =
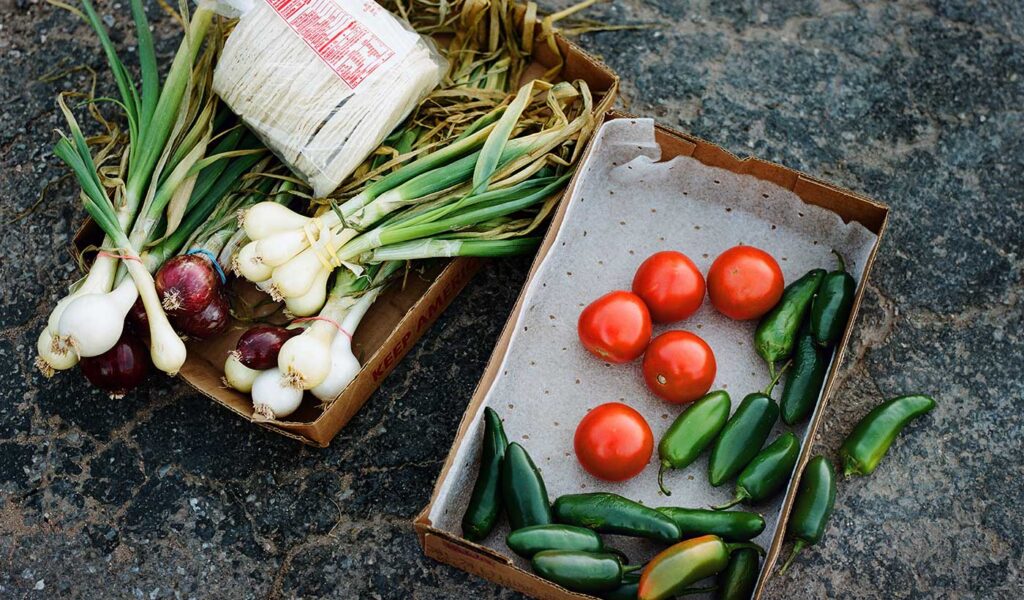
x=212, y=320
x=187, y=284
x=137, y=318
x=120, y=369
x=259, y=346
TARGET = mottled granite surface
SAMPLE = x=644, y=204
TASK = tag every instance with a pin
x=916, y=103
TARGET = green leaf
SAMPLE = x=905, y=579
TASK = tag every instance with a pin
x=125, y=85
x=491, y=153
x=181, y=182
x=147, y=66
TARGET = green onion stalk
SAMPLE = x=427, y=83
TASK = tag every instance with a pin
x=448, y=248
x=165, y=182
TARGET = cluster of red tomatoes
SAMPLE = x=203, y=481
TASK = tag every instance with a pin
x=613, y=441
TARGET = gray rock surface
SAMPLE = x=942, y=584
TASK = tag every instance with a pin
x=915, y=103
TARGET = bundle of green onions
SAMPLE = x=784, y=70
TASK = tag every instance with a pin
x=508, y=163
x=179, y=162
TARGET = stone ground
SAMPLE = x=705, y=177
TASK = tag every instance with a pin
x=916, y=103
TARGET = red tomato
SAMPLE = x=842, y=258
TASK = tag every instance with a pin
x=679, y=367
x=616, y=327
x=671, y=286
x=745, y=283
x=613, y=442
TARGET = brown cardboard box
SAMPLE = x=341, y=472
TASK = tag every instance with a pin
x=492, y=565
x=395, y=322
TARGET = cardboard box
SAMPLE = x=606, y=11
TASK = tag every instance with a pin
x=496, y=566
x=396, y=320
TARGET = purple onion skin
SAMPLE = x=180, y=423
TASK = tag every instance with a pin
x=120, y=369
x=259, y=346
x=187, y=284
x=137, y=318
x=212, y=320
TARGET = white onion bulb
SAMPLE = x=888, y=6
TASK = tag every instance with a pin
x=237, y=375
x=272, y=398
x=267, y=218
x=92, y=323
x=344, y=368
x=305, y=360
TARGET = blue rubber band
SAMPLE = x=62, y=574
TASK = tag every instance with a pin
x=213, y=259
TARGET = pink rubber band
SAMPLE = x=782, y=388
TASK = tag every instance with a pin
x=325, y=320
x=119, y=256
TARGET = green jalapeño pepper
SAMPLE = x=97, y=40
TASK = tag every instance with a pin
x=776, y=333
x=626, y=590
x=485, y=503
x=692, y=432
x=738, y=579
x=871, y=438
x=610, y=513
x=530, y=540
x=830, y=309
x=685, y=563
x=631, y=585
x=806, y=376
x=523, y=491
x=742, y=437
x=731, y=526
x=768, y=472
x=813, y=506
x=580, y=571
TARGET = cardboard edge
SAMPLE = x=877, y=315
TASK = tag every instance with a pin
x=809, y=188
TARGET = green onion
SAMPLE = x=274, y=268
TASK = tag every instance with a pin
x=446, y=248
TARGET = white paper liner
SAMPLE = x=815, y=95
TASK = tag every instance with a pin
x=625, y=207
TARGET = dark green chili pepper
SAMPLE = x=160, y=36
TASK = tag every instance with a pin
x=580, y=571
x=742, y=437
x=485, y=503
x=692, y=431
x=831, y=307
x=610, y=513
x=806, y=376
x=522, y=490
x=871, y=438
x=629, y=589
x=530, y=540
x=813, y=506
x=776, y=333
x=626, y=590
x=738, y=579
x=684, y=564
x=731, y=526
x=768, y=472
